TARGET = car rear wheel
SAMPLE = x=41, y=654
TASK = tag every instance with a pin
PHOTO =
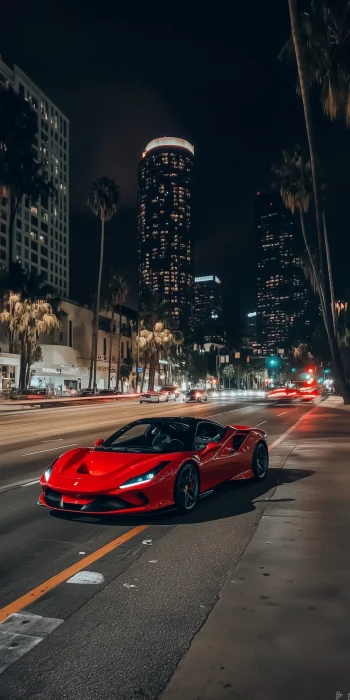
x=186, y=491
x=260, y=462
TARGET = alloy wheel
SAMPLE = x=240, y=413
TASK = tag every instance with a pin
x=262, y=461
x=188, y=488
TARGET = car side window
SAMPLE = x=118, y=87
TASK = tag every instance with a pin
x=207, y=432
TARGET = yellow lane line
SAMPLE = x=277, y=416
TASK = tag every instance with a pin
x=51, y=583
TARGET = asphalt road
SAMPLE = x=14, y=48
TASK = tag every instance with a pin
x=123, y=636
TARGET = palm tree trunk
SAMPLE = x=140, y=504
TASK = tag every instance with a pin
x=143, y=374
x=327, y=316
x=110, y=350
x=119, y=344
x=312, y=262
x=152, y=372
x=98, y=298
x=23, y=363
x=92, y=346
x=300, y=59
x=29, y=363
x=330, y=275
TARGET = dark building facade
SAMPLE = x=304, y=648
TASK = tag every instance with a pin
x=249, y=340
x=208, y=312
x=166, y=259
x=284, y=298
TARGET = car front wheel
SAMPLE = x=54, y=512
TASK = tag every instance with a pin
x=186, y=491
x=260, y=462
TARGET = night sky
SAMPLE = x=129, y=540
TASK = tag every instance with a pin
x=124, y=76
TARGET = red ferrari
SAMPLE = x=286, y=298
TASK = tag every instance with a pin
x=154, y=463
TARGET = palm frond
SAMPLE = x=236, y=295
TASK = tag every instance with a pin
x=293, y=179
x=104, y=198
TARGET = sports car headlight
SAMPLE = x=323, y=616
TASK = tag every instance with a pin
x=47, y=472
x=144, y=478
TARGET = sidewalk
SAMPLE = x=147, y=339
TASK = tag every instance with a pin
x=281, y=627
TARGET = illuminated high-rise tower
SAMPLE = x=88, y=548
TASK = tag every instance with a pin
x=41, y=232
x=165, y=225
x=284, y=300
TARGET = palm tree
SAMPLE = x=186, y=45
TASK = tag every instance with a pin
x=19, y=284
x=112, y=299
x=293, y=179
x=103, y=200
x=122, y=292
x=153, y=343
x=301, y=353
x=304, y=81
x=325, y=32
x=29, y=319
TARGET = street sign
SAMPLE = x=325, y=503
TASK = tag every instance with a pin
x=140, y=369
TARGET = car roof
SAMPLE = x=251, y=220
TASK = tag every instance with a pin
x=190, y=420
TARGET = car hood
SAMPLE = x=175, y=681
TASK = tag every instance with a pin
x=90, y=470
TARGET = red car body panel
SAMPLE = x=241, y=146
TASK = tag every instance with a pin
x=83, y=477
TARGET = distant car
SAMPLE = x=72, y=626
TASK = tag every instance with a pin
x=196, y=395
x=108, y=392
x=31, y=393
x=308, y=393
x=151, y=464
x=302, y=391
x=87, y=392
x=172, y=391
x=283, y=393
x=154, y=396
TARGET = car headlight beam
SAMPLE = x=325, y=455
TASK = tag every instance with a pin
x=47, y=472
x=144, y=478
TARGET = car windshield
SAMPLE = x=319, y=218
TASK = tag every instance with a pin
x=152, y=436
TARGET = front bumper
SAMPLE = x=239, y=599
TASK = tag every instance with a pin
x=99, y=505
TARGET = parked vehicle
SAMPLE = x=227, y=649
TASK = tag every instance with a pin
x=153, y=463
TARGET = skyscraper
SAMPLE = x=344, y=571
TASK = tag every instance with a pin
x=208, y=312
x=248, y=339
x=283, y=293
x=41, y=233
x=165, y=225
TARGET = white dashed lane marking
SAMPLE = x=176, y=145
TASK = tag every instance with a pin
x=50, y=449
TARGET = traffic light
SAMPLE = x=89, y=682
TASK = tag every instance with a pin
x=272, y=361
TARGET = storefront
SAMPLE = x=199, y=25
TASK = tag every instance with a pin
x=60, y=379
x=9, y=371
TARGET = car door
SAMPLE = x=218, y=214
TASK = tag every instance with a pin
x=208, y=446
x=235, y=463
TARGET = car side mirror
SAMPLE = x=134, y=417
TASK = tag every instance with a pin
x=98, y=442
